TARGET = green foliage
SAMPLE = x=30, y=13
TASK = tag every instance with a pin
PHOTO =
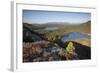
x=70, y=48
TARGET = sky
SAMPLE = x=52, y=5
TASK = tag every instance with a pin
x=36, y=16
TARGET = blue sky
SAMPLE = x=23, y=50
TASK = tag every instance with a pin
x=34, y=16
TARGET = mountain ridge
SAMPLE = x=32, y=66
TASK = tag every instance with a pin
x=57, y=24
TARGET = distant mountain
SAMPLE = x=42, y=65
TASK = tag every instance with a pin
x=33, y=26
x=83, y=27
x=56, y=24
x=86, y=27
x=87, y=24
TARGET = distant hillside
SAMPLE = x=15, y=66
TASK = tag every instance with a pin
x=86, y=27
x=33, y=26
x=30, y=35
x=63, y=28
x=56, y=24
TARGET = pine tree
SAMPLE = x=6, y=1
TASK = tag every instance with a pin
x=70, y=50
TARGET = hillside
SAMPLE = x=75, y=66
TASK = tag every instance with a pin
x=54, y=29
x=48, y=42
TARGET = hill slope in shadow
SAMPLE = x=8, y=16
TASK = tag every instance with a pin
x=83, y=52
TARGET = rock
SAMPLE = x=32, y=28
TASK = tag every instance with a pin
x=46, y=54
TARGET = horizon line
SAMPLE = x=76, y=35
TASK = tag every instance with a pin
x=60, y=22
